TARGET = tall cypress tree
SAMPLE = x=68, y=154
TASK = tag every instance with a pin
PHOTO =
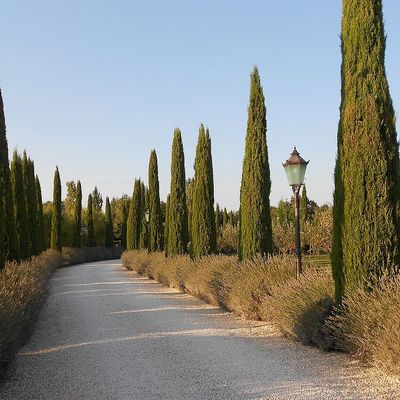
x=203, y=228
x=144, y=215
x=155, y=223
x=255, y=236
x=177, y=213
x=2, y=216
x=90, y=224
x=367, y=182
x=124, y=221
x=303, y=207
x=76, y=234
x=166, y=225
x=217, y=219
x=20, y=207
x=224, y=218
x=33, y=208
x=109, y=239
x=56, y=221
x=28, y=197
x=40, y=218
x=134, y=218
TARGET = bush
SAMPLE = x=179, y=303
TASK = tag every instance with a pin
x=300, y=307
x=368, y=324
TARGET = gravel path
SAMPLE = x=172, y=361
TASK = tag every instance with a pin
x=107, y=333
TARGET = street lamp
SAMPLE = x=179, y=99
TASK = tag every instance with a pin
x=295, y=168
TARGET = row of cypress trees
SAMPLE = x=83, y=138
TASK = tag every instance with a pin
x=21, y=210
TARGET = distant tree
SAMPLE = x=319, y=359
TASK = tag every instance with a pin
x=28, y=200
x=20, y=207
x=97, y=200
x=166, y=225
x=56, y=222
x=134, y=218
x=177, y=212
x=124, y=222
x=155, y=221
x=189, y=203
x=40, y=218
x=77, y=228
x=90, y=222
x=366, y=242
x=224, y=218
x=217, y=220
x=255, y=230
x=231, y=218
x=109, y=240
x=203, y=227
x=144, y=215
x=118, y=207
x=35, y=235
x=11, y=246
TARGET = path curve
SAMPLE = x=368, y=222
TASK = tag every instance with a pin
x=107, y=333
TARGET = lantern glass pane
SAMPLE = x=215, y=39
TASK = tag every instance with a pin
x=295, y=173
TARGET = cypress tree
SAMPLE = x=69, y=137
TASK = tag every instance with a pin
x=76, y=234
x=203, y=228
x=231, y=218
x=33, y=208
x=177, y=213
x=224, y=218
x=255, y=235
x=90, y=223
x=3, y=196
x=40, y=218
x=2, y=216
x=367, y=184
x=123, y=226
x=11, y=245
x=28, y=201
x=109, y=240
x=166, y=225
x=56, y=221
x=20, y=207
x=143, y=210
x=155, y=223
x=303, y=207
x=134, y=218
x=217, y=219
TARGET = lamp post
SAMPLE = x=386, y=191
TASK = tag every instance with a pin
x=295, y=169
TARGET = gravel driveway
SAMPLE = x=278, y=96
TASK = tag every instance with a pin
x=107, y=333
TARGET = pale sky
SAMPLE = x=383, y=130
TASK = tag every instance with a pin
x=93, y=86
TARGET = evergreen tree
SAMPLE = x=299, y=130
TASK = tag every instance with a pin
x=189, y=204
x=109, y=240
x=166, y=225
x=90, y=222
x=123, y=226
x=9, y=246
x=255, y=235
x=203, y=228
x=144, y=215
x=224, y=218
x=304, y=207
x=231, y=218
x=76, y=234
x=367, y=183
x=177, y=212
x=40, y=217
x=134, y=218
x=217, y=220
x=33, y=208
x=28, y=197
x=155, y=223
x=97, y=200
x=20, y=207
x=56, y=219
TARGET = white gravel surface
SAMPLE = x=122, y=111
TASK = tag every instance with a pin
x=107, y=333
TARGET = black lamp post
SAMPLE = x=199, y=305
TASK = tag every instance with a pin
x=295, y=168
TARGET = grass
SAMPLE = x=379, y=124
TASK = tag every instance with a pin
x=367, y=324
x=23, y=286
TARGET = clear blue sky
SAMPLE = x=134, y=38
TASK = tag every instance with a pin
x=93, y=86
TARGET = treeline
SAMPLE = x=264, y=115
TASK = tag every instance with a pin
x=28, y=227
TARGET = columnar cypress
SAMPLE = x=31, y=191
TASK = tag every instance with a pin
x=20, y=207
x=90, y=223
x=155, y=223
x=255, y=236
x=217, y=219
x=76, y=234
x=303, y=207
x=367, y=182
x=109, y=240
x=231, y=218
x=3, y=249
x=178, y=223
x=224, y=218
x=28, y=201
x=56, y=221
x=144, y=210
x=203, y=228
x=40, y=218
x=124, y=221
x=166, y=225
x=33, y=208
x=134, y=218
